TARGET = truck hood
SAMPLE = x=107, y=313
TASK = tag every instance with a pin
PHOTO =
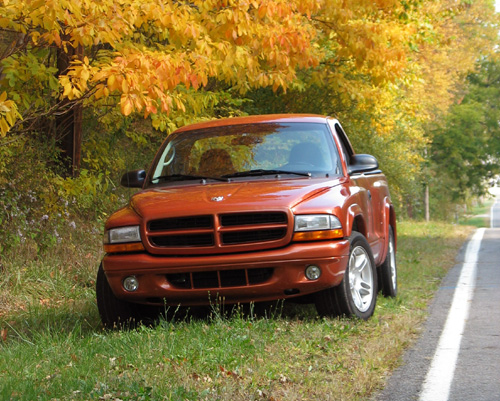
x=182, y=200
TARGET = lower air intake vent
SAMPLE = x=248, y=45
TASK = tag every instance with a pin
x=220, y=278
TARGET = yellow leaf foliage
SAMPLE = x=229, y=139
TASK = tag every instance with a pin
x=8, y=114
x=392, y=68
x=147, y=49
x=398, y=62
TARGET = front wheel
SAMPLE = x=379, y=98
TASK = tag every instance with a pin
x=356, y=295
x=116, y=313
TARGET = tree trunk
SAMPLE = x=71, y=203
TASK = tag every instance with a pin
x=426, y=203
x=69, y=120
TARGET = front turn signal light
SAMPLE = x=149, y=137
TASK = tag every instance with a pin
x=124, y=247
x=318, y=235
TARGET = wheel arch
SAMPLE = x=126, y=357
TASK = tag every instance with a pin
x=356, y=221
x=390, y=220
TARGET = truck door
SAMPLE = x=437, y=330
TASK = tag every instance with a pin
x=370, y=188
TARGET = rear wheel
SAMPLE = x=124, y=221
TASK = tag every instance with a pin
x=388, y=269
x=116, y=313
x=356, y=295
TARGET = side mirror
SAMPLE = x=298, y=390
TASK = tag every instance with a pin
x=133, y=179
x=362, y=164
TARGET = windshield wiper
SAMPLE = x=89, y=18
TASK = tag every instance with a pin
x=179, y=177
x=260, y=172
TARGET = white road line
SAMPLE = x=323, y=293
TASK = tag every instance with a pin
x=436, y=386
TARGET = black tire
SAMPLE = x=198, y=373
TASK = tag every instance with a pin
x=116, y=313
x=388, y=276
x=356, y=295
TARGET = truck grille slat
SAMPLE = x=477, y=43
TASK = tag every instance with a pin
x=242, y=219
x=193, y=240
x=242, y=237
x=217, y=233
x=177, y=223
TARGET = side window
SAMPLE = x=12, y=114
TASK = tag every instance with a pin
x=344, y=143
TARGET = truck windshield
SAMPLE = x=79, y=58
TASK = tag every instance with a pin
x=304, y=149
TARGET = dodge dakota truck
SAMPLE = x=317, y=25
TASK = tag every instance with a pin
x=251, y=209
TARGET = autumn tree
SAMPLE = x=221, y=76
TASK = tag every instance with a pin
x=465, y=33
x=366, y=66
x=390, y=71
x=465, y=151
x=147, y=56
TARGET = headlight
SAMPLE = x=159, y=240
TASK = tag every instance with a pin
x=311, y=227
x=123, y=239
x=122, y=234
x=314, y=222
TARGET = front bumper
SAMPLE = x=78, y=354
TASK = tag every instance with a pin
x=287, y=280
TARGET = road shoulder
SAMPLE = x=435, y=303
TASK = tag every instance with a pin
x=405, y=383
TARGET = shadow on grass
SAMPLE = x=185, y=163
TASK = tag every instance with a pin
x=278, y=310
x=82, y=319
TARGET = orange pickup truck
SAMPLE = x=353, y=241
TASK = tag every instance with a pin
x=251, y=209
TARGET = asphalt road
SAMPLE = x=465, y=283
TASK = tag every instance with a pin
x=495, y=214
x=458, y=354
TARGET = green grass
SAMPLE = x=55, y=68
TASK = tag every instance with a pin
x=478, y=216
x=54, y=347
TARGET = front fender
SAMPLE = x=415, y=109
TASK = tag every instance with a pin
x=389, y=219
x=353, y=212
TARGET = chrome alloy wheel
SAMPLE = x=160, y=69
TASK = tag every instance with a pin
x=392, y=261
x=361, y=281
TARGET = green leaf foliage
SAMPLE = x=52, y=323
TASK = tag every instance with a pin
x=465, y=150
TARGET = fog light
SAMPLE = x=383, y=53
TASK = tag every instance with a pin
x=131, y=283
x=313, y=272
